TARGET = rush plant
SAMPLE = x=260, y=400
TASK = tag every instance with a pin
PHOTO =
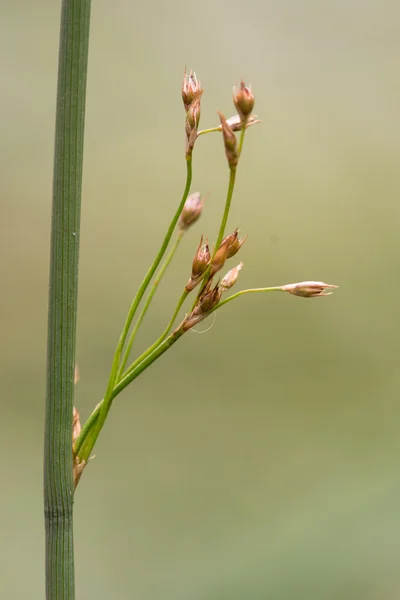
x=68, y=444
x=204, y=283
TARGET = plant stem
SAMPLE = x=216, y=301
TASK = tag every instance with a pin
x=162, y=336
x=90, y=431
x=80, y=442
x=106, y=403
x=156, y=282
x=65, y=230
x=232, y=177
x=147, y=279
x=210, y=130
x=84, y=445
x=241, y=140
x=243, y=292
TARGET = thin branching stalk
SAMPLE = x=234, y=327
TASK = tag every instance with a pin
x=109, y=396
x=146, y=306
x=162, y=336
x=146, y=281
x=204, y=265
x=224, y=220
x=243, y=293
x=65, y=229
x=241, y=140
x=89, y=434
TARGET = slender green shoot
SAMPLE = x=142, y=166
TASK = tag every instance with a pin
x=243, y=292
x=142, y=289
x=146, y=306
x=162, y=336
x=241, y=140
x=210, y=130
x=90, y=431
x=231, y=186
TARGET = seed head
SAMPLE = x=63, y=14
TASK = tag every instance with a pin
x=229, y=141
x=191, y=89
x=234, y=243
x=208, y=299
x=231, y=277
x=243, y=99
x=192, y=124
x=199, y=265
x=309, y=289
x=219, y=258
x=191, y=211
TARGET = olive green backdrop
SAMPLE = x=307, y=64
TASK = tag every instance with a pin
x=259, y=460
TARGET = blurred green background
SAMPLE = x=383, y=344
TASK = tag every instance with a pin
x=259, y=460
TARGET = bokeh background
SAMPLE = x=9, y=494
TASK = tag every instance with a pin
x=259, y=460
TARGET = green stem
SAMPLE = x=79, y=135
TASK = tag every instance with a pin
x=90, y=431
x=145, y=308
x=162, y=336
x=80, y=442
x=143, y=287
x=232, y=176
x=241, y=140
x=243, y=292
x=65, y=233
x=84, y=444
x=211, y=130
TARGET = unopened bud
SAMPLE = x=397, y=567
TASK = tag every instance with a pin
x=229, y=141
x=243, y=99
x=308, y=289
x=234, y=243
x=191, y=125
x=219, y=258
x=193, y=116
x=199, y=265
x=208, y=299
x=231, y=277
x=191, y=211
x=191, y=89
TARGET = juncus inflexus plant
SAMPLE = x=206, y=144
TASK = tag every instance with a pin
x=206, y=265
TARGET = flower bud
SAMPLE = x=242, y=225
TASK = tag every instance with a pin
x=230, y=278
x=199, y=265
x=219, y=258
x=308, y=289
x=208, y=299
x=191, y=89
x=191, y=211
x=193, y=116
x=191, y=125
x=233, y=243
x=243, y=99
x=229, y=141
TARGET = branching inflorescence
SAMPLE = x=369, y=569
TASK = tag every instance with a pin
x=205, y=266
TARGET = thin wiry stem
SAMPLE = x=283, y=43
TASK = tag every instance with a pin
x=146, y=306
x=145, y=283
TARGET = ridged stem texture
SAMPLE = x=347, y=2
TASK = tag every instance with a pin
x=65, y=228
